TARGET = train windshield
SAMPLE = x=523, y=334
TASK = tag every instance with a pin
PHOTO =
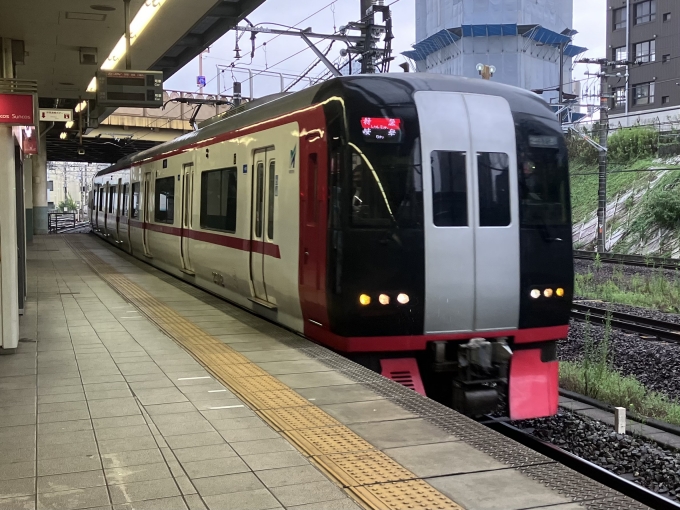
x=386, y=178
x=543, y=174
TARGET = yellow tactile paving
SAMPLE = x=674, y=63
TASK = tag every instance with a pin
x=327, y=440
x=372, y=478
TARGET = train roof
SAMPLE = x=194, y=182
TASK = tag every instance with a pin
x=394, y=88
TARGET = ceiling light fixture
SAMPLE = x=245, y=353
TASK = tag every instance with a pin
x=146, y=13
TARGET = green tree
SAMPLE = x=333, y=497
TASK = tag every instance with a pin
x=69, y=205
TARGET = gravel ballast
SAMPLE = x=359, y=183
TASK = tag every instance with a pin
x=633, y=458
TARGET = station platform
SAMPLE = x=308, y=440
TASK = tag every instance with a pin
x=131, y=389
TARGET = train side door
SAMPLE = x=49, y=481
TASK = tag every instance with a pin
x=497, y=266
x=264, y=168
x=313, y=229
x=187, y=205
x=118, y=207
x=96, y=201
x=448, y=212
x=107, y=199
x=146, y=217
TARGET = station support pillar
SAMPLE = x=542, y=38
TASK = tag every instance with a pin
x=9, y=257
x=9, y=263
x=28, y=197
x=40, y=190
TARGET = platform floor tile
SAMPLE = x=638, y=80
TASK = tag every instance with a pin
x=133, y=390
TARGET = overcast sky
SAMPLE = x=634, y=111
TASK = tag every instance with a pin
x=589, y=20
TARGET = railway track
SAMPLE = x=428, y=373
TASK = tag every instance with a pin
x=630, y=260
x=592, y=471
x=654, y=328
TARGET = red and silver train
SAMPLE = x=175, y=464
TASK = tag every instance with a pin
x=416, y=223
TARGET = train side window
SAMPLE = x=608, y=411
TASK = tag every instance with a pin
x=259, y=198
x=218, y=199
x=112, y=191
x=449, y=189
x=270, y=201
x=493, y=170
x=134, y=213
x=312, y=177
x=124, y=211
x=165, y=200
x=100, y=203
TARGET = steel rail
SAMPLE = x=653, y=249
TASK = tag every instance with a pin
x=628, y=322
x=593, y=471
x=629, y=260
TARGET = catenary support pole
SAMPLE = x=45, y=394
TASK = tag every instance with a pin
x=602, y=159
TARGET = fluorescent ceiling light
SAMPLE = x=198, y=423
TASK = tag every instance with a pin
x=144, y=16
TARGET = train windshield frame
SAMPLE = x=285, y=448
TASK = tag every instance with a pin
x=543, y=169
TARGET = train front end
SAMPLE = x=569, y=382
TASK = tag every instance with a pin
x=449, y=239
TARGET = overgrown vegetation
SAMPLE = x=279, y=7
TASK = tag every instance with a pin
x=658, y=290
x=584, y=183
x=633, y=144
x=595, y=377
x=660, y=207
x=68, y=205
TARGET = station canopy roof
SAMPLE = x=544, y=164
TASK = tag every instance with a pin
x=54, y=40
x=422, y=49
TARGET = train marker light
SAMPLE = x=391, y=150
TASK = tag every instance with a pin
x=535, y=294
x=384, y=299
x=403, y=299
x=365, y=299
x=559, y=292
x=548, y=292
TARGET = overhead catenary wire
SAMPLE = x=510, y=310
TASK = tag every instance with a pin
x=168, y=121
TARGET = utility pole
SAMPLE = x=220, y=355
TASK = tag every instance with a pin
x=602, y=163
x=367, y=19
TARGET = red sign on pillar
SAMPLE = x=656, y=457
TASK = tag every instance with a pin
x=16, y=110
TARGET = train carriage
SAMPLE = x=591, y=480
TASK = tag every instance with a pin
x=417, y=223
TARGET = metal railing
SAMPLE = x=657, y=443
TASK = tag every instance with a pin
x=60, y=221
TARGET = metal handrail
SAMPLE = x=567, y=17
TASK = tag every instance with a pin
x=17, y=86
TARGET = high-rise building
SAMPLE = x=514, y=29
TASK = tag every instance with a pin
x=647, y=33
x=520, y=38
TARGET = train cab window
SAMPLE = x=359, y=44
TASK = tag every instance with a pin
x=270, y=201
x=101, y=199
x=542, y=165
x=493, y=170
x=449, y=189
x=165, y=200
x=124, y=207
x=370, y=206
x=218, y=199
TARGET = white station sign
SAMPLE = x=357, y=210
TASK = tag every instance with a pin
x=56, y=115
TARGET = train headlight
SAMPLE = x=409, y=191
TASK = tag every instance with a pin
x=365, y=299
x=403, y=299
x=560, y=292
x=384, y=299
x=548, y=292
x=535, y=293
